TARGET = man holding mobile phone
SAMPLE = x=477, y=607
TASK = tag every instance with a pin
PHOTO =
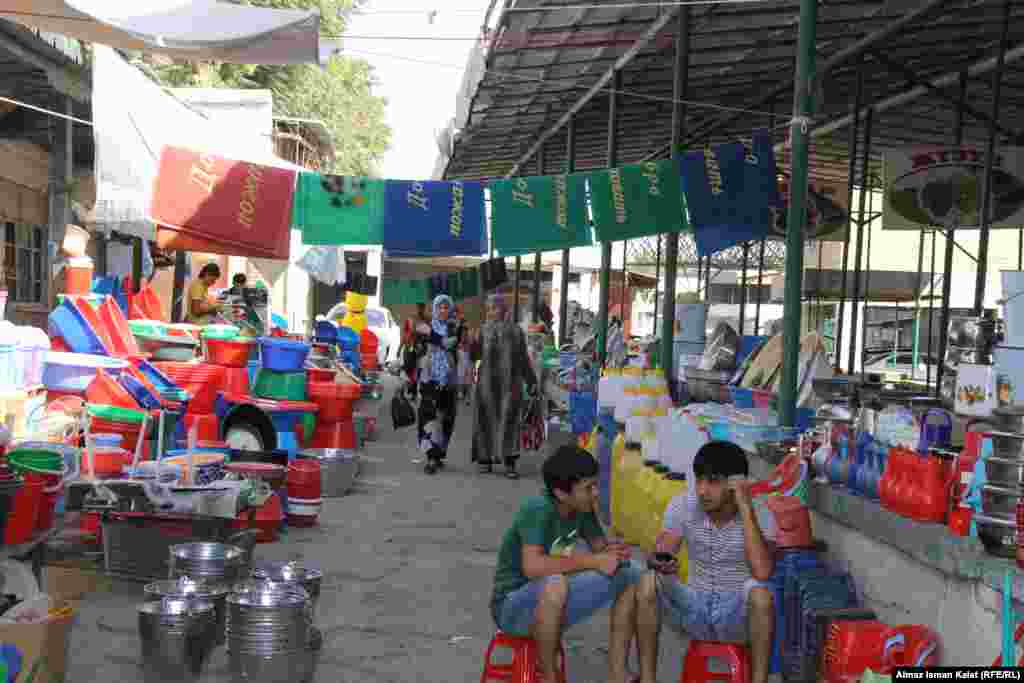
x=731, y=554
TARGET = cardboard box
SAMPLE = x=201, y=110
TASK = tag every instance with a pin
x=35, y=653
x=72, y=580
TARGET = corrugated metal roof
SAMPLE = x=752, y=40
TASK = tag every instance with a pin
x=541, y=62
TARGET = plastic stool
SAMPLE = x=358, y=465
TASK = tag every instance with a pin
x=523, y=668
x=695, y=666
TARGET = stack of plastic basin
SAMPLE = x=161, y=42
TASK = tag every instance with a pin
x=368, y=346
x=202, y=382
x=225, y=348
x=334, y=427
x=116, y=420
x=78, y=275
x=304, y=492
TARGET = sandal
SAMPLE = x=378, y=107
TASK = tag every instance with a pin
x=511, y=474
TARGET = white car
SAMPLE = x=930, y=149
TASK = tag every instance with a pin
x=380, y=322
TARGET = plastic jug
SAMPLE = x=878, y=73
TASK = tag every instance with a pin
x=646, y=485
x=936, y=430
x=932, y=497
x=631, y=500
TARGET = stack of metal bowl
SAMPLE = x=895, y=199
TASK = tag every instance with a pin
x=337, y=469
x=208, y=562
x=269, y=633
x=184, y=588
x=176, y=637
x=1004, y=472
x=294, y=573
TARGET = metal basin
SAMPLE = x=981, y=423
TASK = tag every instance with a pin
x=337, y=469
x=1005, y=472
x=997, y=501
x=1007, y=445
x=194, y=592
x=998, y=535
x=208, y=561
x=1010, y=418
x=176, y=638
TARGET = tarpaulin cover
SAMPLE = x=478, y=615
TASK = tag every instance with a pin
x=339, y=210
x=235, y=207
x=637, y=200
x=194, y=30
x=433, y=218
x=540, y=213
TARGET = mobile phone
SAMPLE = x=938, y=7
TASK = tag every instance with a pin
x=664, y=557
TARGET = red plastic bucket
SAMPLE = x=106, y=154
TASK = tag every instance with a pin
x=52, y=489
x=320, y=375
x=236, y=380
x=21, y=521
x=129, y=430
x=201, y=380
x=304, y=479
x=207, y=426
x=335, y=400
x=228, y=353
x=334, y=435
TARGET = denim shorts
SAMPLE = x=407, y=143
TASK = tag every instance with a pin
x=705, y=615
x=589, y=592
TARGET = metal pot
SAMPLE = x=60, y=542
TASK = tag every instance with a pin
x=1005, y=472
x=1010, y=418
x=1007, y=445
x=337, y=469
x=176, y=638
x=998, y=535
x=974, y=333
x=199, y=592
x=208, y=561
x=997, y=501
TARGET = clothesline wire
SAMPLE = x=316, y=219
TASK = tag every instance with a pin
x=561, y=8
x=43, y=110
x=536, y=79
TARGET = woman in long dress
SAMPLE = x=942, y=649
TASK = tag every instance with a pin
x=438, y=404
x=505, y=374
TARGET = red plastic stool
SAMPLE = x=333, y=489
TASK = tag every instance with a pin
x=695, y=666
x=523, y=668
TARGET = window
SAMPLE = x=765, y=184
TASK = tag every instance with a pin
x=25, y=262
x=732, y=293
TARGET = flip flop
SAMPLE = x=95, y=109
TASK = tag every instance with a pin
x=511, y=474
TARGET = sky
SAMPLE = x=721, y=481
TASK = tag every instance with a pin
x=420, y=96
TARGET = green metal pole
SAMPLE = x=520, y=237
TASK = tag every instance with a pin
x=799, y=135
x=606, y=247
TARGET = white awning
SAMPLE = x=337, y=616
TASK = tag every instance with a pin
x=130, y=133
x=186, y=29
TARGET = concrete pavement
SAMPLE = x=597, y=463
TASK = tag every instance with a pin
x=408, y=560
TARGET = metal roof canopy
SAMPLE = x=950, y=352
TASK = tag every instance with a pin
x=547, y=65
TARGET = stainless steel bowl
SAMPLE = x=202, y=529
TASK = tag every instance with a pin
x=1005, y=472
x=997, y=501
x=1007, y=445
x=998, y=535
x=1010, y=418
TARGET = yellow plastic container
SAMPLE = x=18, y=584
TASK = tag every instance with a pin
x=675, y=485
x=620, y=472
x=631, y=501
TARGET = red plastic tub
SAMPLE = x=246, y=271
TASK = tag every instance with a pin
x=21, y=521
x=129, y=430
x=335, y=400
x=304, y=479
x=368, y=360
x=320, y=375
x=228, y=353
x=104, y=390
x=236, y=380
x=266, y=520
x=201, y=380
x=207, y=426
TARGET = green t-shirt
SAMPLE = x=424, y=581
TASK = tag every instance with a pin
x=538, y=523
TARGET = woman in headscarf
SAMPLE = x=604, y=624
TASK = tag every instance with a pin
x=505, y=374
x=438, y=385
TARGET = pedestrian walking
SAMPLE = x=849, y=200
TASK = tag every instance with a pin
x=505, y=376
x=438, y=404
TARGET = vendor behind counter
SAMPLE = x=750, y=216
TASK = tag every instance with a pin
x=200, y=309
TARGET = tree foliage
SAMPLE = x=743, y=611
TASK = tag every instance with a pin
x=340, y=94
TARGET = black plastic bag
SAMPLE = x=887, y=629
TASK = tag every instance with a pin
x=402, y=412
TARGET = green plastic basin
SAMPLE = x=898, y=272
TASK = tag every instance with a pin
x=280, y=386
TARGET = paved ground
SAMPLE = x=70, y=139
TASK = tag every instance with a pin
x=408, y=561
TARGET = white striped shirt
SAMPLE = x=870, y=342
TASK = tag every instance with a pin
x=717, y=555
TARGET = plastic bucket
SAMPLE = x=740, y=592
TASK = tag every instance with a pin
x=21, y=521
x=229, y=353
x=78, y=276
x=52, y=488
x=303, y=479
x=282, y=355
x=335, y=435
x=335, y=400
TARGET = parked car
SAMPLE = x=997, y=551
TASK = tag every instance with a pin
x=380, y=322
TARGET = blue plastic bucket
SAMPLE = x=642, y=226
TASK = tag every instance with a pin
x=283, y=355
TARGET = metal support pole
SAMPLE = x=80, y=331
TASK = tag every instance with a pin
x=563, y=304
x=535, y=298
x=180, y=262
x=931, y=312
x=743, y=289
x=515, y=290
x=851, y=172
x=657, y=279
x=137, y=263
x=606, y=247
x=625, y=286
x=993, y=133
x=680, y=73
x=799, y=130
x=858, y=259
x=868, y=220
x=947, y=269
x=760, y=277
x=917, y=306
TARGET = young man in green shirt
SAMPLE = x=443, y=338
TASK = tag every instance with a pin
x=556, y=568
